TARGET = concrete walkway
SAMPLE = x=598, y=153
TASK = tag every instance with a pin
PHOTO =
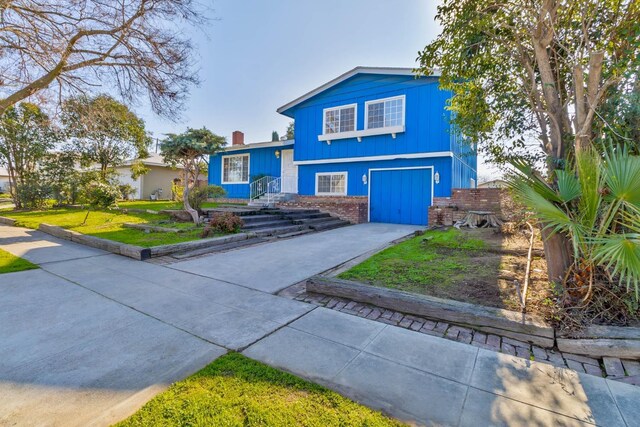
x=91, y=336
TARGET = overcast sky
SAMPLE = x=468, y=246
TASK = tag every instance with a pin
x=257, y=55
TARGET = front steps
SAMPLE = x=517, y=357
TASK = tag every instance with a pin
x=267, y=222
x=274, y=199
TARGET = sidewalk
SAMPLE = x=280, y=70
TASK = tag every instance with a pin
x=91, y=336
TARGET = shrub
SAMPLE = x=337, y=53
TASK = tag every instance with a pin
x=126, y=191
x=100, y=195
x=199, y=195
x=32, y=192
x=225, y=222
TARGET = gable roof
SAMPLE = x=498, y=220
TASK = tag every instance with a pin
x=394, y=71
x=252, y=145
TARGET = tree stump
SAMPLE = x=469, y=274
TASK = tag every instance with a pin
x=479, y=219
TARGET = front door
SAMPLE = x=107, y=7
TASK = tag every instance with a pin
x=289, y=172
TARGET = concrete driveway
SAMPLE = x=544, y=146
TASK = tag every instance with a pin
x=91, y=336
x=272, y=267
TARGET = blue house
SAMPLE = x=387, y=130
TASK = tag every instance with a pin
x=380, y=137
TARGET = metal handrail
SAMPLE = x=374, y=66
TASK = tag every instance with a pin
x=273, y=187
x=259, y=187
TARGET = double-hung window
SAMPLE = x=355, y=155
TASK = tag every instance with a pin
x=340, y=119
x=331, y=184
x=235, y=169
x=384, y=113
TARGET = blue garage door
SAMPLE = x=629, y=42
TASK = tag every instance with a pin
x=400, y=196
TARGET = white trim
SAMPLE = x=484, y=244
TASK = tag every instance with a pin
x=282, y=171
x=255, y=145
x=338, y=108
x=383, y=100
x=393, y=71
x=392, y=130
x=394, y=169
x=222, y=181
x=346, y=183
x=375, y=158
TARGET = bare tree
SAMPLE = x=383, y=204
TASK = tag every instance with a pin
x=71, y=46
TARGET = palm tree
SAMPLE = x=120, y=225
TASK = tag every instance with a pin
x=595, y=206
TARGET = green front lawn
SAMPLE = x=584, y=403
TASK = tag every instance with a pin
x=465, y=265
x=109, y=224
x=158, y=205
x=10, y=263
x=437, y=258
x=237, y=391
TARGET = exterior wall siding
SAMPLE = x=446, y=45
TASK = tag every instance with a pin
x=426, y=119
x=355, y=171
x=261, y=161
x=159, y=177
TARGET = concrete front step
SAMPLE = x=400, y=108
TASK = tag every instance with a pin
x=329, y=225
x=311, y=221
x=275, y=231
x=297, y=216
x=251, y=219
x=274, y=222
x=219, y=248
x=295, y=233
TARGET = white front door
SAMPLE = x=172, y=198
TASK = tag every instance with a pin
x=289, y=172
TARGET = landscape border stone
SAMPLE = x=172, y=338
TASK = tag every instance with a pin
x=7, y=221
x=163, y=250
x=131, y=251
x=523, y=327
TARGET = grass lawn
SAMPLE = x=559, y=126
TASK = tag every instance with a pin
x=456, y=264
x=158, y=205
x=10, y=263
x=109, y=224
x=237, y=391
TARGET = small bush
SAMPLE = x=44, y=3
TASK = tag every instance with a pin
x=33, y=194
x=100, y=195
x=126, y=191
x=223, y=223
x=199, y=195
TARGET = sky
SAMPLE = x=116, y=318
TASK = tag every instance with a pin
x=257, y=55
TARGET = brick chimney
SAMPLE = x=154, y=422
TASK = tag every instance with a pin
x=237, y=138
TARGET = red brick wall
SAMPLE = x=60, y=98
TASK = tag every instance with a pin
x=448, y=210
x=349, y=208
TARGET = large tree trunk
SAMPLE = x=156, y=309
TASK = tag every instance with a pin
x=187, y=206
x=558, y=254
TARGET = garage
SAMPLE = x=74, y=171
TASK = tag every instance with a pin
x=400, y=195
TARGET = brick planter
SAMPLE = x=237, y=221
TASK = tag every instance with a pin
x=447, y=210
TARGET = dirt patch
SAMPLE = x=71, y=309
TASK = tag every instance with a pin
x=466, y=265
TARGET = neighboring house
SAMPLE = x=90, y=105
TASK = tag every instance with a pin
x=4, y=180
x=378, y=137
x=495, y=183
x=155, y=184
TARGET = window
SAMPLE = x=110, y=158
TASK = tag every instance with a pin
x=340, y=119
x=384, y=113
x=235, y=169
x=331, y=184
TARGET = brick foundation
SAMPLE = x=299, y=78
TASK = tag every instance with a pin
x=447, y=210
x=349, y=208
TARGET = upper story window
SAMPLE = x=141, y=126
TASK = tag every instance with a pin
x=235, y=169
x=383, y=113
x=339, y=119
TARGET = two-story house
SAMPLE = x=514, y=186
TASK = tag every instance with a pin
x=380, y=136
